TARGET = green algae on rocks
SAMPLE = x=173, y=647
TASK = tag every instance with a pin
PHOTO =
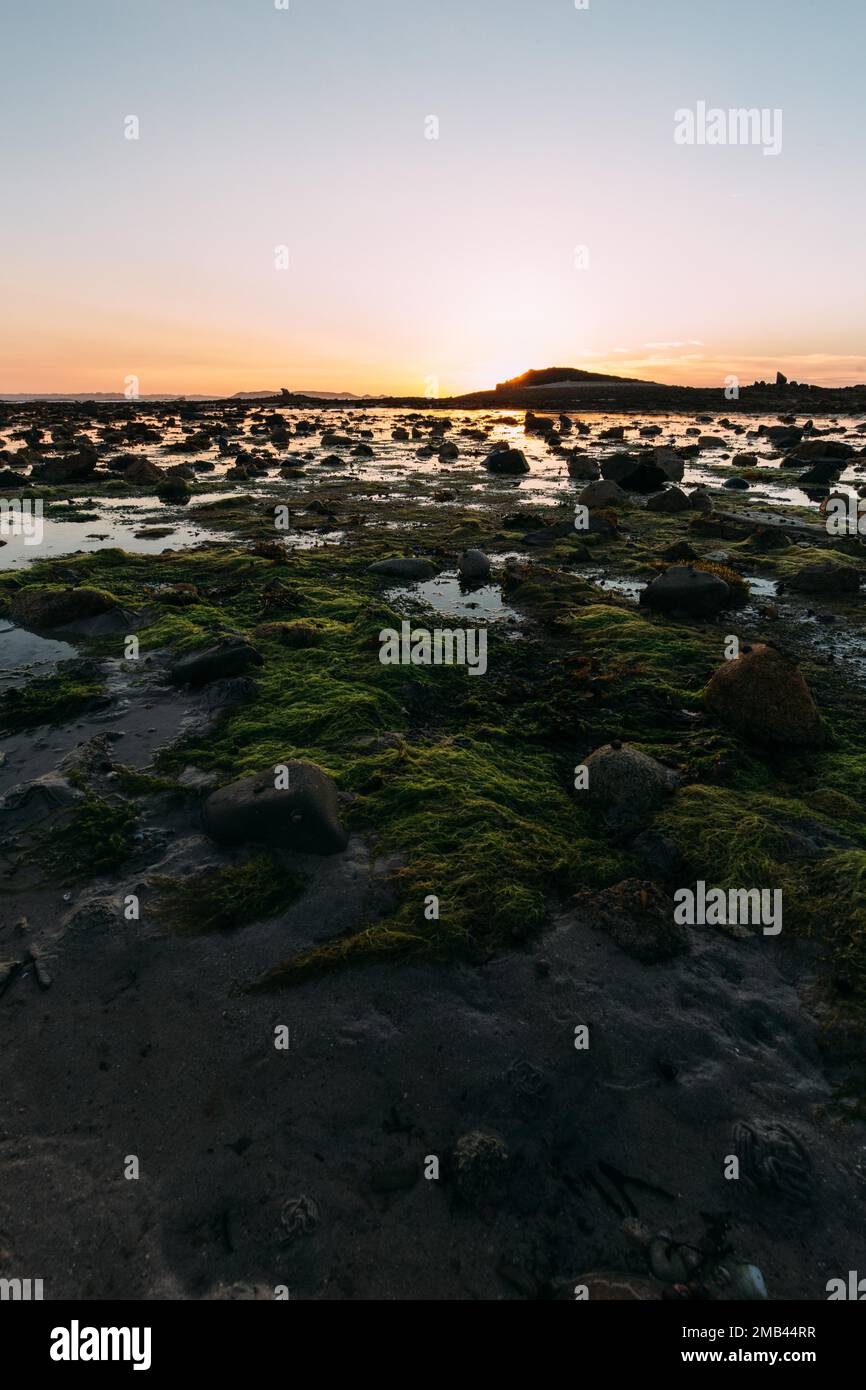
x=221, y=899
x=469, y=784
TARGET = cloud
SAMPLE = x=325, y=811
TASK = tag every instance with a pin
x=680, y=342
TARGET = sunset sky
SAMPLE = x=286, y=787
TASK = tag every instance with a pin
x=410, y=258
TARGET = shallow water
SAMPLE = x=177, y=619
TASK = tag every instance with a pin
x=23, y=654
x=447, y=596
x=113, y=521
x=110, y=523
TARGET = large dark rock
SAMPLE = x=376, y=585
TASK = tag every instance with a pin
x=49, y=608
x=672, y=499
x=473, y=566
x=602, y=493
x=763, y=695
x=784, y=436
x=73, y=468
x=669, y=461
x=231, y=657
x=582, y=466
x=634, y=472
x=826, y=577
x=811, y=449
x=142, y=471
x=506, y=461
x=405, y=567
x=480, y=1169
x=627, y=786
x=302, y=816
x=688, y=590
x=822, y=471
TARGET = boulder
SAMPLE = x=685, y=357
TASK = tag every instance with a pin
x=582, y=466
x=700, y=501
x=231, y=657
x=689, y=590
x=49, y=608
x=549, y=535
x=811, y=449
x=405, y=567
x=38, y=801
x=669, y=461
x=142, y=471
x=784, y=436
x=474, y=566
x=763, y=695
x=822, y=471
x=506, y=460
x=826, y=577
x=672, y=499
x=302, y=815
x=73, y=468
x=634, y=472
x=602, y=494
x=627, y=786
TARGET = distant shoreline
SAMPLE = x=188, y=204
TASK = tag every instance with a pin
x=575, y=396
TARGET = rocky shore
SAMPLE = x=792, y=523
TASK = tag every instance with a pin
x=374, y=969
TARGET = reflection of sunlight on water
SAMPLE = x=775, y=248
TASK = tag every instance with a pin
x=615, y=584
x=311, y=540
x=401, y=473
x=67, y=537
x=446, y=595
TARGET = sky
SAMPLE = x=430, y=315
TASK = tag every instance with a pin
x=553, y=220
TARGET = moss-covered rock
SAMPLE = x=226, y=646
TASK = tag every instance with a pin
x=38, y=608
x=762, y=694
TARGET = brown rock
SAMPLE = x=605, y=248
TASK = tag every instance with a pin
x=142, y=471
x=47, y=608
x=763, y=695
